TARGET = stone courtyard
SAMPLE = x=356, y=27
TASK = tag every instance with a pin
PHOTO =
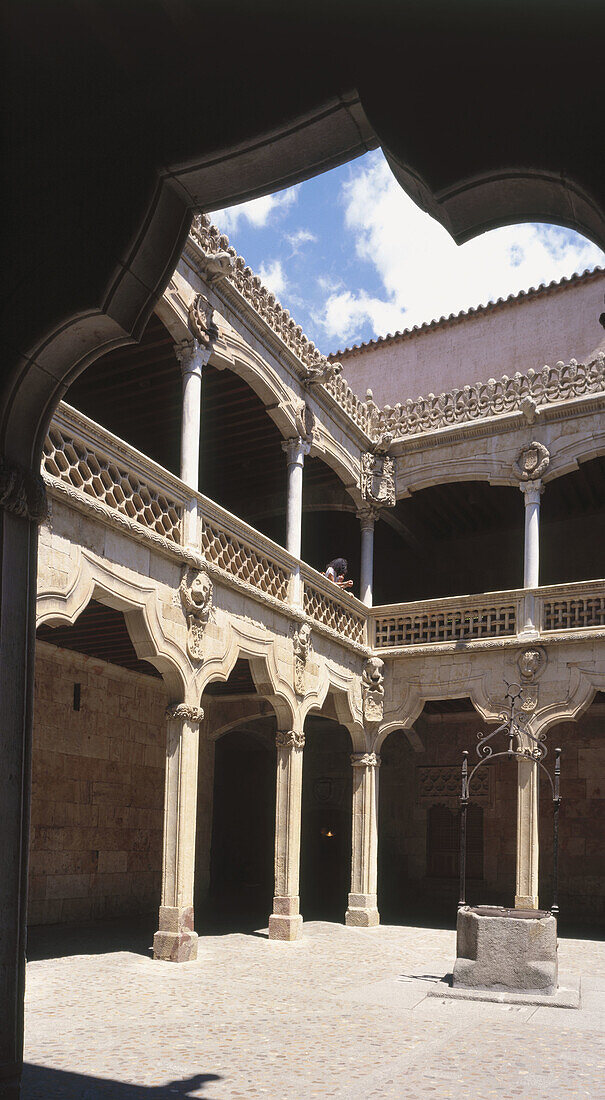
x=343, y=1012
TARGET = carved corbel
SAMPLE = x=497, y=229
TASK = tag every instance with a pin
x=196, y=597
x=372, y=689
x=22, y=492
x=324, y=372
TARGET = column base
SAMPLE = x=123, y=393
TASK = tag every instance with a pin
x=362, y=911
x=175, y=940
x=526, y=902
x=285, y=922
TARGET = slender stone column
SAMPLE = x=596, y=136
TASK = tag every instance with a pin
x=192, y=357
x=285, y=923
x=532, y=491
x=176, y=939
x=367, y=519
x=528, y=788
x=363, y=911
x=295, y=450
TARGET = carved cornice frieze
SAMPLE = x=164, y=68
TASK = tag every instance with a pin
x=184, y=712
x=290, y=739
x=365, y=760
x=522, y=393
x=22, y=492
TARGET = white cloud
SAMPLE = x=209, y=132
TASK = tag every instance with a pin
x=425, y=275
x=300, y=237
x=257, y=212
x=272, y=275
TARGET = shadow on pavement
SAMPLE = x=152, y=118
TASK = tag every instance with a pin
x=41, y=1083
x=55, y=941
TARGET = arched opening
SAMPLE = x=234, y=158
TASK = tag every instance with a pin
x=135, y=392
x=449, y=540
x=573, y=503
x=419, y=815
x=236, y=808
x=581, y=823
x=98, y=786
x=330, y=527
x=325, y=870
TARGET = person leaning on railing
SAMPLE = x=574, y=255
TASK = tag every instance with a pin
x=336, y=571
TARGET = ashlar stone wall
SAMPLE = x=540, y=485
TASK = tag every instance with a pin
x=98, y=790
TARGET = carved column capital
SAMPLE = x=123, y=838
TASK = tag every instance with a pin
x=192, y=356
x=368, y=517
x=184, y=712
x=532, y=491
x=22, y=492
x=290, y=739
x=295, y=450
x=365, y=760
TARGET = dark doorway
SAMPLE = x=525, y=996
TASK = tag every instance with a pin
x=243, y=830
x=326, y=821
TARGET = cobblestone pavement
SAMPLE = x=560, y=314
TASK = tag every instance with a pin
x=341, y=1013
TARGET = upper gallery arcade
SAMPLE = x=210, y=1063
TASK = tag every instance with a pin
x=198, y=483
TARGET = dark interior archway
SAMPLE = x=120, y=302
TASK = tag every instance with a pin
x=325, y=868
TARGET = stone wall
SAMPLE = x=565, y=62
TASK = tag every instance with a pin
x=98, y=790
x=562, y=324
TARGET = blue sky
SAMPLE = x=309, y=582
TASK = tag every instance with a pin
x=352, y=257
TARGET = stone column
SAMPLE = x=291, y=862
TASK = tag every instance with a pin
x=367, y=518
x=295, y=450
x=22, y=508
x=363, y=911
x=176, y=939
x=528, y=788
x=285, y=923
x=532, y=491
x=192, y=357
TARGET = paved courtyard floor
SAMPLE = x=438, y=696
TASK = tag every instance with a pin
x=342, y=1013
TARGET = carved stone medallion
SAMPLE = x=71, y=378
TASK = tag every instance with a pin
x=196, y=597
x=201, y=320
x=532, y=462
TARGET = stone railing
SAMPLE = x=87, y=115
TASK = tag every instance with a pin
x=462, y=619
x=565, y=607
x=324, y=602
x=89, y=461
x=243, y=553
x=520, y=393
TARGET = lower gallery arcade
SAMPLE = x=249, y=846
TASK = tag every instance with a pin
x=98, y=801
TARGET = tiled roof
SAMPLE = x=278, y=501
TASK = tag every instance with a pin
x=474, y=311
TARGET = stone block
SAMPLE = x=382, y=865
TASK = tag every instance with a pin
x=285, y=928
x=506, y=950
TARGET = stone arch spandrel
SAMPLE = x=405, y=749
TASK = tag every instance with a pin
x=140, y=604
